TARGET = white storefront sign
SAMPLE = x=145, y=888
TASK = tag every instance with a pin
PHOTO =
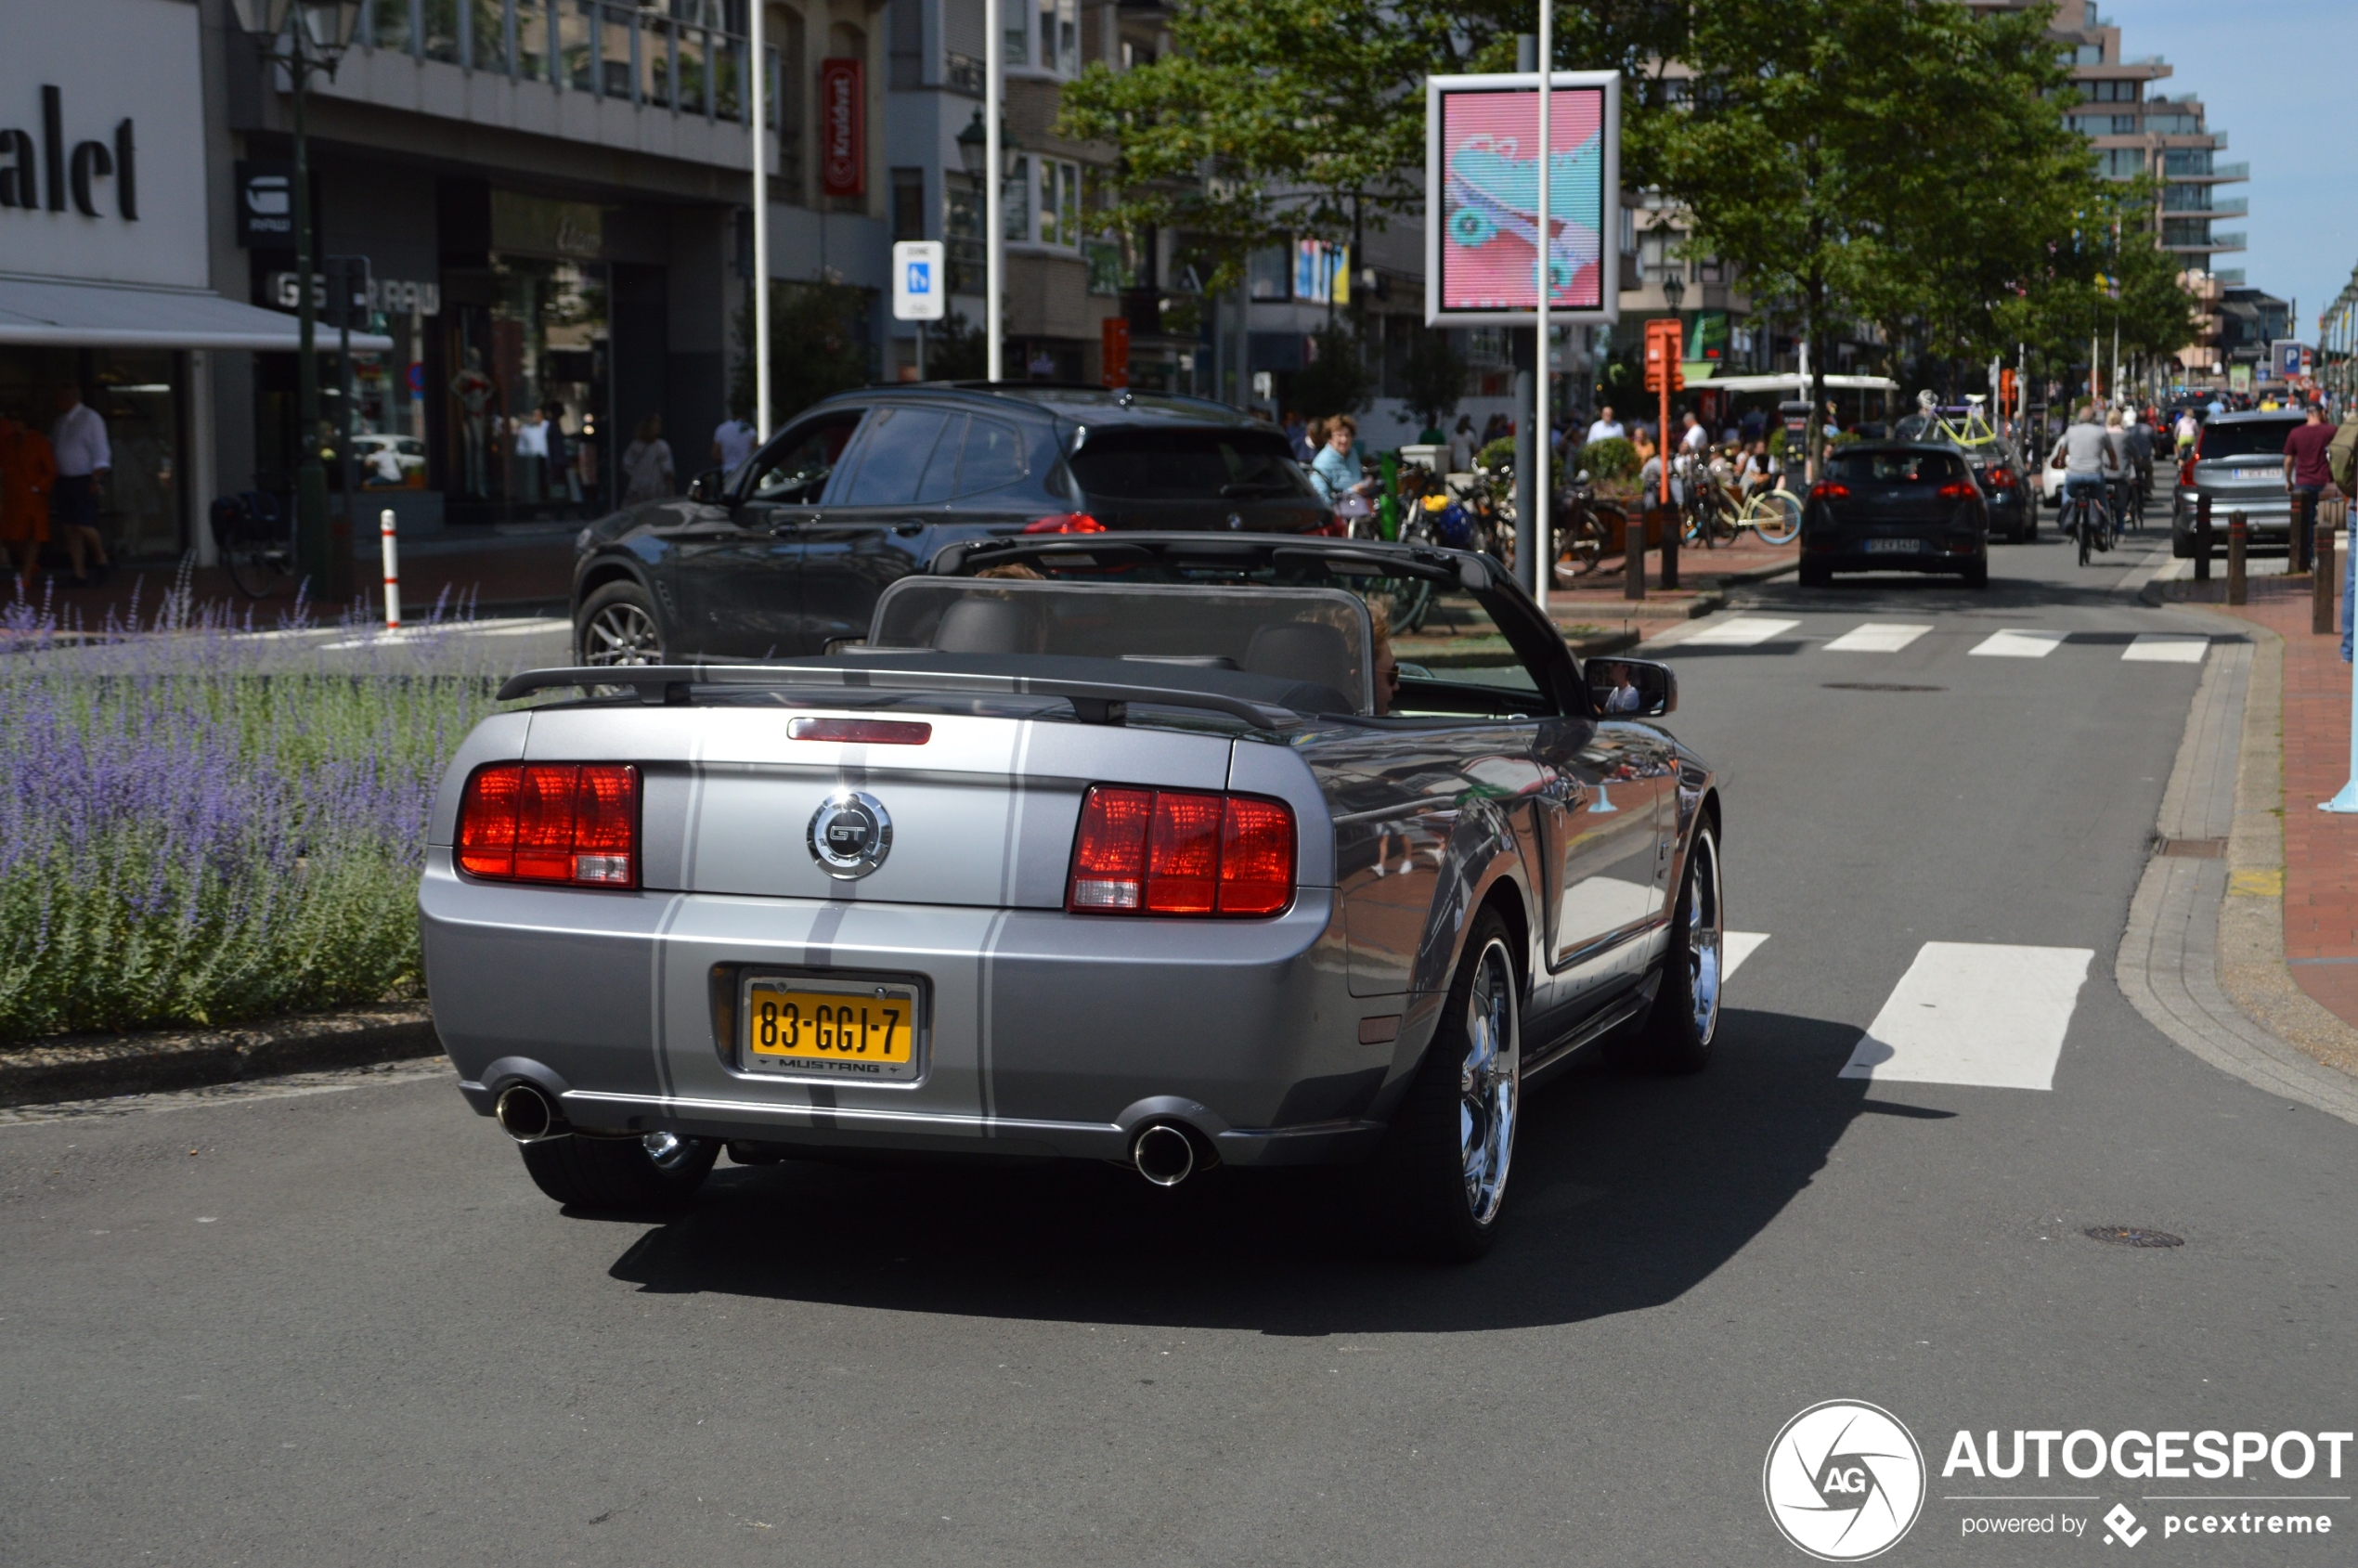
x=102, y=146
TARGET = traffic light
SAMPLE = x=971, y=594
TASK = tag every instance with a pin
x=1664, y=358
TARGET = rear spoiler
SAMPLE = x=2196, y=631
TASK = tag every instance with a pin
x=1096, y=701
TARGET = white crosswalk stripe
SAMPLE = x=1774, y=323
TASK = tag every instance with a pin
x=1737, y=946
x=1975, y=1013
x=2012, y=644
x=1742, y=631
x=1876, y=637
x=2167, y=647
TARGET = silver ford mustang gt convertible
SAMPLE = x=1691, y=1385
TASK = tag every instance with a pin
x=1151, y=848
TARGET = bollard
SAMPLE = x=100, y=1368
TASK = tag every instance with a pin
x=1670, y=532
x=1633, y=555
x=2202, y=539
x=2321, y=589
x=392, y=571
x=2297, y=527
x=2237, y=542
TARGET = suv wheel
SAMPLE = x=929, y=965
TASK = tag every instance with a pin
x=618, y=627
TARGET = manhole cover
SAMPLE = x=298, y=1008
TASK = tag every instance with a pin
x=2195, y=848
x=1875, y=686
x=2132, y=1236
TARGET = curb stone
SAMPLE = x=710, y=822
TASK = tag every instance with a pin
x=91, y=1067
x=2202, y=957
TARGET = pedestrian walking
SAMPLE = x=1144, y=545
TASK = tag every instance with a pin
x=1461, y=445
x=2307, y=472
x=733, y=442
x=646, y=464
x=84, y=460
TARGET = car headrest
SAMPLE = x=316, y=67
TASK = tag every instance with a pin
x=1303, y=650
x=978, y=625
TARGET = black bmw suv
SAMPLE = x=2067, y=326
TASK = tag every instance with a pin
x=789, y=553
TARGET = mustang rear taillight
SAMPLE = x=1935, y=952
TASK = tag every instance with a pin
x=576, y=824
x=1181, y=851
x=1065, y=523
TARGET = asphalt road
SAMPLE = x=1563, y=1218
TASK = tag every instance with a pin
x=342, y=1328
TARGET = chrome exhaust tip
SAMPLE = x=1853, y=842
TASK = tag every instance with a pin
x=1163, y=1154
x=527, y=1114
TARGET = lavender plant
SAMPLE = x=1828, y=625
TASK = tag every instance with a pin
x=200, y=825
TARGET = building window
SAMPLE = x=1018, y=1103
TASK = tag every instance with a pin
x=962, y=231
x=1106, y=273
x=1015, y=202
x=2186, y=160
x=908, y=204
x=2121, y=162
x=1628, y=235
x=1059, y=203
x=1708, y=270
x=1269, y=273
x=1060, y=36
x=2185, y=231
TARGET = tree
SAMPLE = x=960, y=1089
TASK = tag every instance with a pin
x=819, y=344
x=1338, y=381
x=1434, y=374
x=1273, y=118
x=2068, y=305
x=1841, y=153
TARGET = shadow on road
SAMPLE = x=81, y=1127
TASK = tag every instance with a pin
x=1627, y=1191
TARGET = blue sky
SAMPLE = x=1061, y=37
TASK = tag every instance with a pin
x=2278, y=77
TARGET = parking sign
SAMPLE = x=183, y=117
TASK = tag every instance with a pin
x=919, y=284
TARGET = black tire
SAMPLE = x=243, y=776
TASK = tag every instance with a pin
x=256, y=558
x=619, y=626
x=1684, y=1021
x=1463, y=1106
x=1814, y=576
x=621, y=1175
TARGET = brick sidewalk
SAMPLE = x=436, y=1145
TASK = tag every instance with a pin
x=2321, y=849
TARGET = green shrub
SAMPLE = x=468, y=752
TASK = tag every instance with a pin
x=1611, y=458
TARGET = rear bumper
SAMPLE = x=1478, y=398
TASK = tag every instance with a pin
x=1848, y=552
x=1044, y=1034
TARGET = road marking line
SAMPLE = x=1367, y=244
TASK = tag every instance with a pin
x=1735, y=947
x=1876, y=637
x=1744, y=631
x=1975, y=1013
x=2167, y=647
x=2014, y=644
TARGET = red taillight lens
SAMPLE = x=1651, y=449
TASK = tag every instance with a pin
x=1065, y=523
x=1826, y=491
x=860, y=731
x=2185, y=470
x=1961, y=490
x=2001, y=478
x=1142, y=851
x=1256, y=857
x=1109, y=855
x=544, y=822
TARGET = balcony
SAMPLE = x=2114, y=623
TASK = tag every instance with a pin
x=2229, y=277
x=2233, y=241
x=2230, y=207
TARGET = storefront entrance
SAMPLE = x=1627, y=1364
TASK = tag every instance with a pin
x=139, y=393
x=523, y=384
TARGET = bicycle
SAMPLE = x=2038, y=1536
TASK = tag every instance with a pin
x=2087, y=516
x=256, y=538
x=1717, y=515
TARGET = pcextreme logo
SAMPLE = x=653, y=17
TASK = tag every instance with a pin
x=1844, y=1480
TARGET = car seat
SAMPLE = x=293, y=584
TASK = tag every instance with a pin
x=976, y=624
x=1308, y=652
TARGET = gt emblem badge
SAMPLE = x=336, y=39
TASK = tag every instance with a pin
x=850, y=834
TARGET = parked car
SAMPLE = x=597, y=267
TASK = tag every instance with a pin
x=408, y=455
x=2239, y=463
x=1154, y=855
x=788, y=554
x=1910, y=506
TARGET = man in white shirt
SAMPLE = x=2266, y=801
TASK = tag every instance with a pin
x=1607, y=428
x=1696, y=440
x=84, y=458
x=733, y=442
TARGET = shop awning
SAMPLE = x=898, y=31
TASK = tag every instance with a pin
x=1789, y=383
x=113, y=316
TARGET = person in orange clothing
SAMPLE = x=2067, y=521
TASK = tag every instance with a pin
x=28, y=472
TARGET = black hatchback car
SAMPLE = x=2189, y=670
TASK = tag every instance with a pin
x=789, y=553
x=1896, y=506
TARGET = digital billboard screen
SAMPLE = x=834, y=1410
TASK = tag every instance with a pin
x=1483, y=244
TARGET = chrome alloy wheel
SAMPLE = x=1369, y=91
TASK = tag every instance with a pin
x=1489, y=1082
x=1704, y=933
x=621, y=634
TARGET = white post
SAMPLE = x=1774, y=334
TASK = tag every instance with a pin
x=755, y=128
x=1543, y=540
x=393, y=570
x=994, y=231
x=200, y=465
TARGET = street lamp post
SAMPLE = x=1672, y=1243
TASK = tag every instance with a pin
x=303, y=36
x=994, y=236
x=978, y=152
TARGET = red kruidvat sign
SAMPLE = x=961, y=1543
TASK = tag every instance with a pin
x=843, y=129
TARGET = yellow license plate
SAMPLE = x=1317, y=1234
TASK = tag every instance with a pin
x=854, y=1031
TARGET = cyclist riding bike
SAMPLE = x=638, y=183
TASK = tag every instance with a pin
x=2088, y=459
x=2120, y=484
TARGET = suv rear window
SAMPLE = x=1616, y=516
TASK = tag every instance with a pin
x=1173, y=465
x=1895, y=468
x=2244, y=438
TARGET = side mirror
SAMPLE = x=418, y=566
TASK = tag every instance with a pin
x=1632, y=688
x=706, y=486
